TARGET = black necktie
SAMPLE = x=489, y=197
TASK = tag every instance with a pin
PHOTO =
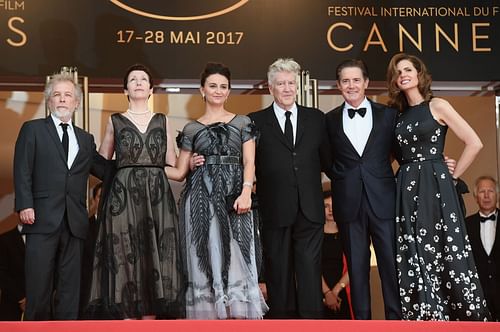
x=65, y=139
x=352, y=111
x=288, y=128
x=484, y=219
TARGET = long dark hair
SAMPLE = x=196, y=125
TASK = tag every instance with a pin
x=397, y=98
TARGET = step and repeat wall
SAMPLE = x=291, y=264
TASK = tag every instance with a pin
x=459, y=40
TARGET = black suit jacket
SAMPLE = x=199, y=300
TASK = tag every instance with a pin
x=289, y=177
x=12, y=252
x=488, y=267
x=43, y=181
x=372, y=172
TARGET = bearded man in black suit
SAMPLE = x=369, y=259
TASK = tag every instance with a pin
x=52, y=162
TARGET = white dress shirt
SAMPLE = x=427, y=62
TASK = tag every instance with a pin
x=487, y=232
x=73, y=143
x=280, y=115
x=358, y=128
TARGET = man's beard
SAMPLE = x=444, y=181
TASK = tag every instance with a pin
x=62, y=114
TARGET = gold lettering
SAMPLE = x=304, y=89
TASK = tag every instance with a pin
x=21, y=33
x=379, y=40
x=440, y=31
x=403, y=31
x=476, y=36
x=329, y=37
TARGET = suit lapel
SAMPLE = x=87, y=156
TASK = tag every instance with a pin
x=302, y=117
x=342, y=134
x=497, y=236
x=51, y=129
x=376, y=119
x=81, y=145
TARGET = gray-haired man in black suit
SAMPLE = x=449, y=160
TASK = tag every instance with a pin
x=291, y=153
x=52, y=162
x=484, y=238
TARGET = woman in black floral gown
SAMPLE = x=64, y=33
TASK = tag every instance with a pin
x=215, y=208
x=437, y=275
x=137, y=271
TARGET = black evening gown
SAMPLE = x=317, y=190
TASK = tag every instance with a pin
x=137, y=269
x=437, y=275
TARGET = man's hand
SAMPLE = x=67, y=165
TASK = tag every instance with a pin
x=22, y=304
x=27, y=216
x=263, y=289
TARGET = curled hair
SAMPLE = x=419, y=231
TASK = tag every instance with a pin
x=482, y=178
x=140, y=67
x=352, y=63
x=397, y=98
x=212, y=68
x=282, y=65
x=62, y=77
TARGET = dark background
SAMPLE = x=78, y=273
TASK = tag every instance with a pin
x=83, y=33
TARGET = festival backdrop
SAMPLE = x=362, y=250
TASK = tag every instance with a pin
x=459, y=40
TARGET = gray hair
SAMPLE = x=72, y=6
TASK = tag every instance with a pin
x=482, y=178
x=282, y=65
x=62, y=77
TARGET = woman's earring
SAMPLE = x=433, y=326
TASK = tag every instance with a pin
x=203, y=97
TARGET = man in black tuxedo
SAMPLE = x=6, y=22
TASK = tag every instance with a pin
x=484, y=238
x=289, y=158
x=52, y=162
x=361, y=135
x=12, y=299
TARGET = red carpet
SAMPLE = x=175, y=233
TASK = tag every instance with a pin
x=247, y=326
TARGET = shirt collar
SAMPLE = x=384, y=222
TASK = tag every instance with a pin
x=365, y=103
x=280, y=112
x=487, y=215
x=58, y=121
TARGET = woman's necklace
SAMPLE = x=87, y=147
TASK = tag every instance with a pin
x=145, y=120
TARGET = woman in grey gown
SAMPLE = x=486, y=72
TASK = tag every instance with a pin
x=215, y=208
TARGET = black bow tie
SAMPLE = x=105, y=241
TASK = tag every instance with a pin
x=361, y=111
x=491, y=217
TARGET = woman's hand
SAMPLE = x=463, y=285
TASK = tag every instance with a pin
x=243, y=203
x=332, y=301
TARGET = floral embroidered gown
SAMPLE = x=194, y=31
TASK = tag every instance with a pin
x=219, y=249
x=137, y=268
x=437, y=275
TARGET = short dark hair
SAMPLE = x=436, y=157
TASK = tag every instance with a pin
x=137, y=66
x=215, y=68
x=352, y=63
x=327, y=194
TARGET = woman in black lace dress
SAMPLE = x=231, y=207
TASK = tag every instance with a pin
x=437, y=275
x=215, y=208
x=136, y=272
